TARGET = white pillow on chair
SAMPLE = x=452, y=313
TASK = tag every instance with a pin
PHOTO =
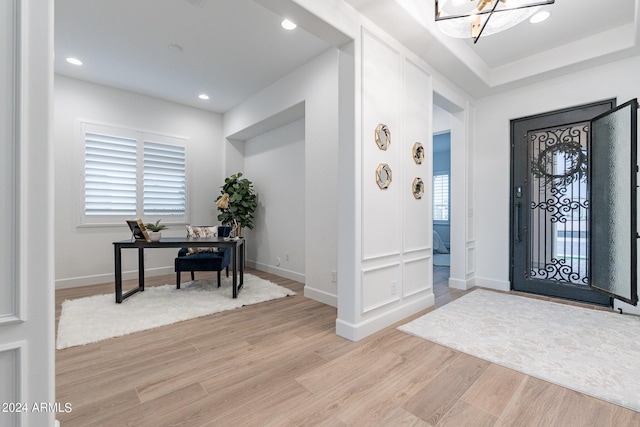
x=202, y=231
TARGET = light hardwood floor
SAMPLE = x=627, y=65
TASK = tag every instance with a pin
x=280, y=363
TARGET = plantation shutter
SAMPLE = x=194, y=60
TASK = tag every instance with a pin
x=441, y=197
x=164, y=179
x=110, y=175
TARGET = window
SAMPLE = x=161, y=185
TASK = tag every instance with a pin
x=131, y=174
x=441, y=197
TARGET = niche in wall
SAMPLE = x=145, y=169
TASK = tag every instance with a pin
x=275, y=162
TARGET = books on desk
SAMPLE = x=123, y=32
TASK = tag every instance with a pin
x=138, y=230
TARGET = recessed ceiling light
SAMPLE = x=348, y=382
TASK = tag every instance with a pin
x=540, y=17
x=74, y=61
x=203, y=96
x=288, y=25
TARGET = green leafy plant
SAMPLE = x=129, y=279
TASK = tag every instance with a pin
x=237, y=202
x=155, y=227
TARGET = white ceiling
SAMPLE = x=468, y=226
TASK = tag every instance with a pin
x=233, y=48
x=230, y=48
x=579, y=34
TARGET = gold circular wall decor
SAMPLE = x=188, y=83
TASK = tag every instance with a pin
x=417, y=188
x=383, y=136
x=418, y=153
x=383, y=175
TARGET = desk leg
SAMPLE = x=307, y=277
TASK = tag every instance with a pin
x=234, y=262
x=141, y=269
x=118, y=272
x=242, y=258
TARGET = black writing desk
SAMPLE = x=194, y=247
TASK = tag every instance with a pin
x=237, y=258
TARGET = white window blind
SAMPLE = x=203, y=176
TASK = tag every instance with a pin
x=130, y=174
x=164, y=179
x=110, y=175
x=441, y=197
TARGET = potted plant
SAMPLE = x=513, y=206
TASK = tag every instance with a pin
x=154, y=230
x=237, y=203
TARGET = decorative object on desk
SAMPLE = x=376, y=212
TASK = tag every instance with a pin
x=138, y=230
x=417, y=188
x=383, y=136
x=418, y=153
x=584, y=349
x=237, y=203
x=199, y=232
x=383, y=175
x=155, y=230
x=96, y=318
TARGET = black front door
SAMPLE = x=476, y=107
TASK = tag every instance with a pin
x=550, y=203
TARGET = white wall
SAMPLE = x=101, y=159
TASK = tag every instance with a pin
x=316, y=85
x=492, y=162
x=274, y=162
x=441, y=120
x=84, y=255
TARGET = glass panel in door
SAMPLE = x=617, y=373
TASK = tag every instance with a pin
x=613, y=202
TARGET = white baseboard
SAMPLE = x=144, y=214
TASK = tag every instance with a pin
x=357, y=331
x=97, y=279
x=461, y=284
x=321, y=296
x=74, y=282
x=499, y=285
x=287, y=274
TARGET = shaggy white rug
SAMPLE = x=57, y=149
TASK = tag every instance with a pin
x=590, y=351
x=96, y=318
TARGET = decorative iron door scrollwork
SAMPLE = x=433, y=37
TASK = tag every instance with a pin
x=558, y=220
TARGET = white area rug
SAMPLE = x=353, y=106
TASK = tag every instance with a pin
x=589, y=351
x=96, y=318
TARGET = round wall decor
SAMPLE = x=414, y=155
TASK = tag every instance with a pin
x=383, y=175
x=417, y=188
x=418, y=153
x=383, y=136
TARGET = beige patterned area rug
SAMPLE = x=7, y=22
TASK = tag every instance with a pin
x=96, y=318
x=590, y=351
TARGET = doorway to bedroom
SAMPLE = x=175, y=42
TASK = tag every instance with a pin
x=441, y=195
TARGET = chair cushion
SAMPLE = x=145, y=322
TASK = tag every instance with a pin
x=203, y=261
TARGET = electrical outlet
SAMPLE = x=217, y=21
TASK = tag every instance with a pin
x=286, y=257
x=334, y=276
x=394, y=286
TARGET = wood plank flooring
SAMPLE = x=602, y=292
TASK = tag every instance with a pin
x=280, y=363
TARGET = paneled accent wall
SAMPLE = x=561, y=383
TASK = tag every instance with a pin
x=418, y=275
x=395, y=272
x=8, y=160
x=381, y=104
x=417, y=222
x=26, y=215
x=10, y=374
x=374, y=292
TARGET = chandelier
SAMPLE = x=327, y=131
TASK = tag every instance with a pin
x=471, y=18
